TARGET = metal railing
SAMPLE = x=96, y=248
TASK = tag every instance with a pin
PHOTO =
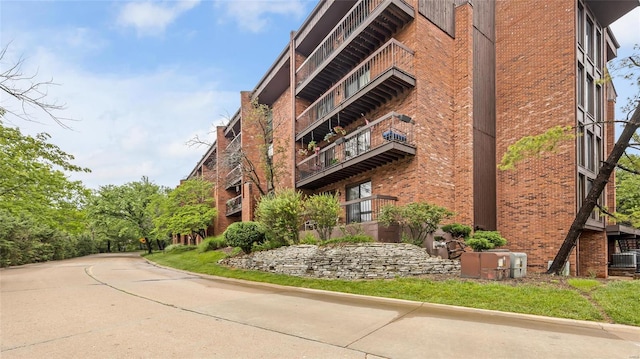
x=234, y=205
x=234, y=177
x=356, y=17
x=234, y=145
x=390, y=127
x=391, y=55
x=366, y=209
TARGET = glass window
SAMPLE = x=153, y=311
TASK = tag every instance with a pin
x=580, y=34
x=599, y=151
x=599, y=49
x=580, y=85
x=588, y=38
x=581, y=145
x=581, y=192
x=359, y=211
x=590, y=98
x=599, y=104
x=590, y=152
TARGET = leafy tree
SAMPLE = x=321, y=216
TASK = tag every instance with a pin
x=282, y=214
x=188, y=209
x=126, y=207
x=324, y=210
x=418, y=218
x=628, y=190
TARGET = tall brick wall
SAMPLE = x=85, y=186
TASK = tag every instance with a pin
x=535, y=63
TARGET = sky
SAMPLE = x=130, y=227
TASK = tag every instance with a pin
x=140, y=79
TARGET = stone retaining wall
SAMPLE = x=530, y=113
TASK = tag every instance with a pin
x=347, y=261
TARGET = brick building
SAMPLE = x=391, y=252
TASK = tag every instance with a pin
x=416, y=100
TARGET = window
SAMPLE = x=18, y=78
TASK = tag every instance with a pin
x=325, y=106
x=580, y=85
x=599, y=103
x=357, y=145
x=599, y=158
x=360, y=211
x=581, y=192
x=588, y=38
x=590, y=98
x=357, y=81
x=580, y=34
x=590, y=152
x=599, y=49
x=581, y=145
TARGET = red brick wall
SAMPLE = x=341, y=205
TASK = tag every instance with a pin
x=535, y=73
x=592, y=254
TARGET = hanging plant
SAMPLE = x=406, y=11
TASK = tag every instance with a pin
x=303, y=151
x=328, y=136
x=340, y=130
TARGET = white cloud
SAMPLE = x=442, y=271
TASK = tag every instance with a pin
x=129, y=125
x=151, y=18
x=627, y=29
x=253, y=15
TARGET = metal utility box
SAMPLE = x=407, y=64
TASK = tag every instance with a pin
x=565, y=270
x=624, y=260
x=518, y=268
x=494, y=265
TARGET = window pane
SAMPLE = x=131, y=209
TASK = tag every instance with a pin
x=588, y=32
x=580, y=34
x=580, y=86
x=590, y=153
x=581, y=145
x=590, y=95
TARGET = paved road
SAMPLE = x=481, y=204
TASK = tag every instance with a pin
x=120, y=306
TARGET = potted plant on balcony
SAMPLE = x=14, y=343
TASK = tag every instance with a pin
x=329, y=136
x=312, y=145
x=340, y=130
x=303, y=152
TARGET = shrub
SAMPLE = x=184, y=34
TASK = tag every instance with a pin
x=212, y=243
x=419, y=218
x=266, y=246
x=483, y=240
x=309, y=239
x=244, y=235
x=281, y=214
x=324, y=210
x=457, y=230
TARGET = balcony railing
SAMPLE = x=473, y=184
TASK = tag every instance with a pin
x=234, y=177
x=234, y=145
x=339, y=158
x=366, y=209
x=234, y=205
x=340, y=33
x=393, y=55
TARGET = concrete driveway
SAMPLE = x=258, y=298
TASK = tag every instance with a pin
x=120, y=306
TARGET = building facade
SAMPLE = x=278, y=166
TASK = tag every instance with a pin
x=396, y=101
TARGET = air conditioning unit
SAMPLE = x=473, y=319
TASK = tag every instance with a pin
x=624, y=260
x=565, y=270
x=637, y=260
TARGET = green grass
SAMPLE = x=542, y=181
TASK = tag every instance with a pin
x=619, y=299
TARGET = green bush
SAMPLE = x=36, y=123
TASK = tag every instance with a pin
x=418, y=218
x=483, y=240
x=457, y=230
x=266, y=246
x=281, y=214
x=212, y=243
x=179, y=248
x=309, y=239
x=324, y=210
x=244, y=235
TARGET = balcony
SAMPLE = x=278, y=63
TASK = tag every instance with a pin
x=234, y=206
x=384, y=140
x=234, y=145
x=380, y=78
x=366, y=209
x=234, y=177
x=367, y=26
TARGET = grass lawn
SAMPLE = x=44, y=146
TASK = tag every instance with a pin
x=582, y=299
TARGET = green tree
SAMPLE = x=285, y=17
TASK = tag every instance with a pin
x=628, y=190
x=125, y=207
x=188, y=209
x=282, y=214
x=324, y=210
x=418, y=218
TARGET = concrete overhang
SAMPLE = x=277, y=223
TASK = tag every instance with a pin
x=608, y=11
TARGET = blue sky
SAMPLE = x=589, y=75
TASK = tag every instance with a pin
x=142, y=78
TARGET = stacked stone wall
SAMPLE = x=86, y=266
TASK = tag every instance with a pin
x=347, y=261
